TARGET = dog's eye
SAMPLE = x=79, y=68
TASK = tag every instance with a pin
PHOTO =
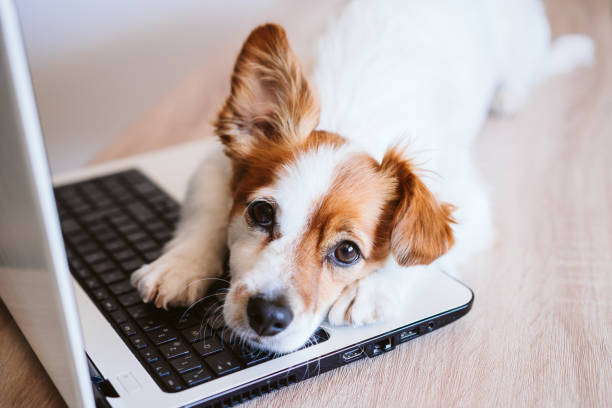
x=262, y=213
x=346, y=253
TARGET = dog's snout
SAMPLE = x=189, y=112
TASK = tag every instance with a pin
x=268, y=317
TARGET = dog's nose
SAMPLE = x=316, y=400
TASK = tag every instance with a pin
x=268, y=317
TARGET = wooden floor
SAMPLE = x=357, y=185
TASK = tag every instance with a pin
x=540, y=331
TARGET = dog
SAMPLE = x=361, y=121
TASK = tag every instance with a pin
x=328, y=192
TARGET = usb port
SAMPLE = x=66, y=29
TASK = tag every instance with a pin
x=380, y=347
x=408, y=334
x=352, y=355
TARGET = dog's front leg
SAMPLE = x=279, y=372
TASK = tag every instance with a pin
x=193, y=259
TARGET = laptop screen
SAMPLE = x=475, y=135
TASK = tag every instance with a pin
x=34, y=281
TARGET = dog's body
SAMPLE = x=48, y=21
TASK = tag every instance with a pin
x=293, y=203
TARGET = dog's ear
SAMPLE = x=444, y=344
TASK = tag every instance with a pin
x=270, y=99
x=421, y=225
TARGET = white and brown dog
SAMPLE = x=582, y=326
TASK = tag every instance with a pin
x=323, y=200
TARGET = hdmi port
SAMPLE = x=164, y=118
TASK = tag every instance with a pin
x=352, y=355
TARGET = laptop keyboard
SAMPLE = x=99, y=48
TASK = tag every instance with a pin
x=111, y=226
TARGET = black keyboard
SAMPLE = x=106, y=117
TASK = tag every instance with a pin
x=111, y=226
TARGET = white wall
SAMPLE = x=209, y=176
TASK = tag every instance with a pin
x=97, y=66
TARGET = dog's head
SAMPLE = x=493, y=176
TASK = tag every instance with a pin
x=311, y=214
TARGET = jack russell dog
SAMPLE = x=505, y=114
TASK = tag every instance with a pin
x=329, y=191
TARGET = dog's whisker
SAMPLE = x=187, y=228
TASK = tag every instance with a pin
x=204, y=279
x=194, y=304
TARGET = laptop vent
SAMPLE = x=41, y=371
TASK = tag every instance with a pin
x=235, y=398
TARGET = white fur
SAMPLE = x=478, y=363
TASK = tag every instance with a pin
x=303, y=183
x=428, y=72
x=423, y=72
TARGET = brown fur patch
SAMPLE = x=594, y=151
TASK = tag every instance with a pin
x=270, y=99
x=260, y=167
x=351, y=210
x=421, y=225
x=383, y=208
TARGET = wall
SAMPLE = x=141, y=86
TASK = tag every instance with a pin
x=99, y=66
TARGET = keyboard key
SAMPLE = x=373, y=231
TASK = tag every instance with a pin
x=228, y=337
x=150, y=256
x=94, y=216
x=172, y=217
x=100, y=229
x=162, y=204
x=103, y=267
x=81, y=272
x=112, y=277
x=319, y=336
x=186, y=363
x=91, y=283
x=121, y=287
x=138, y=342
x=86, y=247
x=131, y=265
x=114, y=245
x=119, y=316
x=186, y=320
x=215, y=322
x=128, y=227
x=251, y=356
x=162, y=236
x=127, y=328
x=208, y=346
x=149, y=355
x=155, y=225
x=123, y=255
x=109, y=305
x=118, y=219
x=197, y=377
x=162, y=335
x=144, y=188
x=146, y=245
x=160, y=368
x=172, y=383
x=81, y=208
x=104, y=203
x=196, y=333
x=173, y=349
x=223, y=363
x=149, y=324
x=70, y=226
x=140, y=212
x=77, y=238
x=100, y=293
x=125, y=197
x=129, y=299
x=107, y=236
x=94, y=257
x=139, y=311
x=136, y=236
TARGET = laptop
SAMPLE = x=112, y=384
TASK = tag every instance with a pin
x=69, y=244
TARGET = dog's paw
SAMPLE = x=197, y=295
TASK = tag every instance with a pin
x=363, y=302
x=173, y=280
